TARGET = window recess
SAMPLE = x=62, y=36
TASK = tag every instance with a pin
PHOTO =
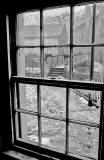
x=58, y=101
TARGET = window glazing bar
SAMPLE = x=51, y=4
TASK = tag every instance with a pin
x=39, y=112
x=85, y=123
x=27, y=112
x=54, y=117
x=71, y=42
x=18, y=106
x=41, y=44
x=92, y=48
x=58, y=118
x=67, y=45
x=13, y=95
x=60, y=83
x=67, y=120
x=101, y=128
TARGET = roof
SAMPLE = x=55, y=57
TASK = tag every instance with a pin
x=50, y=30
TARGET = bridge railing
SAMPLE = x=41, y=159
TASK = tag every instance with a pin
x=56, y=60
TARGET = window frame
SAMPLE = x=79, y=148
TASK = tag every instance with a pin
x=14, y=80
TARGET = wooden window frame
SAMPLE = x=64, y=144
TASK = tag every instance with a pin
x=67, y=84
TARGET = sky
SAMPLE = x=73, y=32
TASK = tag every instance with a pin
x=31, y=18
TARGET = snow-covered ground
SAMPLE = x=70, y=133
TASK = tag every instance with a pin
x=83, y=140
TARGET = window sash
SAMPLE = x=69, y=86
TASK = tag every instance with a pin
x=60, y=83
x=63, y=84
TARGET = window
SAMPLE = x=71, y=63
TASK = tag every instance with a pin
x=57, y=97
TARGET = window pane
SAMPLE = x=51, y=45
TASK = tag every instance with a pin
x=56, y=26
x=28, y=62
x=81, y=63
x=99, y=23
x=84, y=105
x=53, y=133
x=82, y=24
x=83, y=140
x=98, y=64
x=28, y=97
x=53, y=101
x=28, y=29
x=29, y=127
x=56, y=62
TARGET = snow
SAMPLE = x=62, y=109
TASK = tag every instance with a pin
x=45, y=140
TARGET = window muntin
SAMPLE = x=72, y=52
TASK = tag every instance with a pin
x=67, y=102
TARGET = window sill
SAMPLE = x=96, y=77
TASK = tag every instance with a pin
x=12, y=154
x=18, y=153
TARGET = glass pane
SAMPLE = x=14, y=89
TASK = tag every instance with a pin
x=29, y=127
x=28, y=97
x=56, y=26
x=56, y=62
x=81, y=63
x=84, y=105
x=53, y=101
x=28, y=29
x=53, y=133
x=98, y=64
x=83, y=24
x=99, y=23
x=83, y=140
x=28, y=62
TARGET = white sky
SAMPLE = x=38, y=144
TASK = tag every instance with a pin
x=79, y=8
x=57, y=11
x=30, y=19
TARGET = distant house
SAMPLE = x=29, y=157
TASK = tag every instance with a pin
x=29, y=35
x=54, y=34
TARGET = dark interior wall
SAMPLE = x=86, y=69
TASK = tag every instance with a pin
x=5, y=125
x=20, y=5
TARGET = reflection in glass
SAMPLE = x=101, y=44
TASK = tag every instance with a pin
x=53, y=133
x=28, y=29
x=28, y=97
x=29, y=127
x=83, y=140
x=56, y=62
x=56, y=25
x=82, y=24
x=99, y=23
x=98, y=64
x=28, y=62
x=81, y=63
x=53, y=101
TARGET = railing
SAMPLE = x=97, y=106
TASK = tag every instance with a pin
x=56, y=60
